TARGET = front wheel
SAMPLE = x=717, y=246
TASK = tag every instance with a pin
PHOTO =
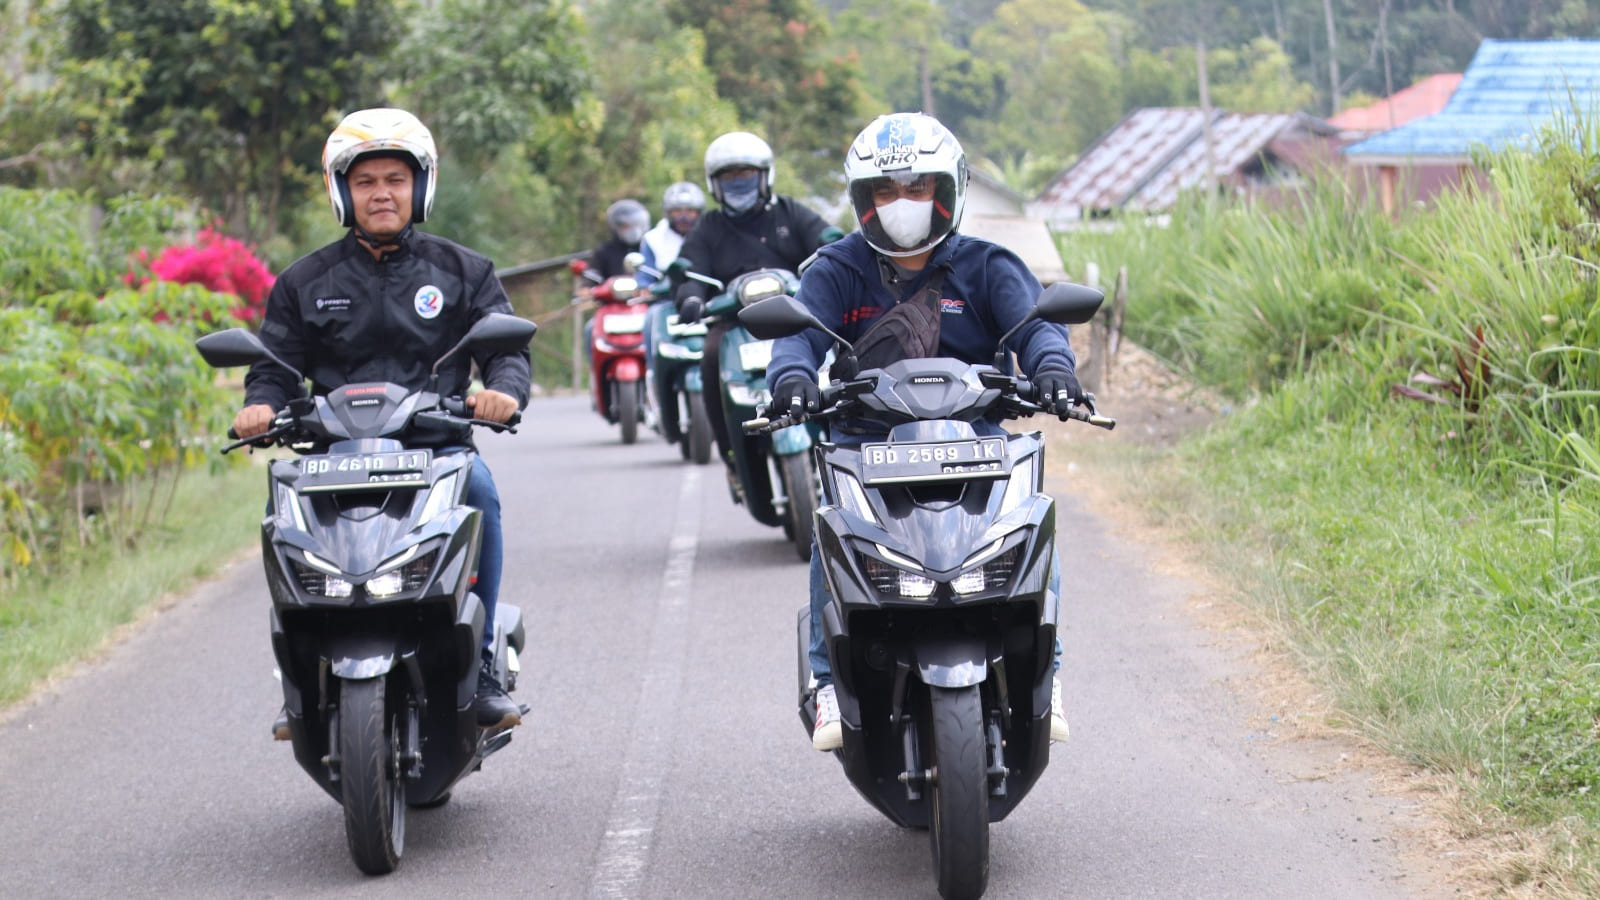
x=959, y=793
x=628, y=409
x=800, y=484
x=369, y=771
x=699, y=440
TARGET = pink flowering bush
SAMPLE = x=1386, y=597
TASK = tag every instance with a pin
x=217, y=262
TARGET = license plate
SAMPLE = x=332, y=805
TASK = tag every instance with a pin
x=755, y=356
x=679, y=329
x=623, y=323
x=944, y=461
x=364, y=471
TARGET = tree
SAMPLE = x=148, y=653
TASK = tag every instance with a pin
x=771, y=60
x=232, y=99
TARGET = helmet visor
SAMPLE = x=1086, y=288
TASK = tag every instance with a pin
x=867, y=194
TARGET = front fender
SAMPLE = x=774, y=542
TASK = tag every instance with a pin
x=952, y=662
x=627, y=368
x=363, y=657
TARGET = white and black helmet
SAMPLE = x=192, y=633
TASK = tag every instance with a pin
x=898, y=147
x=683, y=195
x=377, y=131
x=739, y=148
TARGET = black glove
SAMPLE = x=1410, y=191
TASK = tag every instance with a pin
x=1059, y=390
x=795, y=394
x=691, y=302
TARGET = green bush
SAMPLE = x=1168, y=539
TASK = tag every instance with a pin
x=95, y=391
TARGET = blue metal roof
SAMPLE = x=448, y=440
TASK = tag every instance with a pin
x=1509, y=90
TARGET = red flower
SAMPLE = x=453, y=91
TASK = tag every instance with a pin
x=222, y=264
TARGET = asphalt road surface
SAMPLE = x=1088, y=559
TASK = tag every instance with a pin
x=663, y=756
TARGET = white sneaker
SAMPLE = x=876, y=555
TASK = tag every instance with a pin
x=829, y=734
x=1058, y=716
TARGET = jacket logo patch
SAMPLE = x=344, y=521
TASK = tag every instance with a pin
x=429, y=301
x=333, y=304
x=952, y=306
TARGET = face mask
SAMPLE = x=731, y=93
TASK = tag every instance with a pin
x=740, y=194
x=907, y=222
x=631, y=235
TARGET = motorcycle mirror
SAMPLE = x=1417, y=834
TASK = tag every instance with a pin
x=237, y=347
x=1062, y=303
x=1066, y=303
x=782, y=316
x=496, y=332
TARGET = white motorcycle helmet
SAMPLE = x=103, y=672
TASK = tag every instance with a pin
x=380, y=130
x=682, y=195
x=902, y=148
x=739, y=148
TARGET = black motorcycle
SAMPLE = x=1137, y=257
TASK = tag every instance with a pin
x=370, y=554
x=937, y=544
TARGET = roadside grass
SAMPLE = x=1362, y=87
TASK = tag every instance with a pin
x=48, y=622
x=1410, y=488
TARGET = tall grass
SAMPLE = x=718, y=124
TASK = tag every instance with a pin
x=1437, y=562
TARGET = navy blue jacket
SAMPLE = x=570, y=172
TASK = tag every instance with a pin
x=988, y=290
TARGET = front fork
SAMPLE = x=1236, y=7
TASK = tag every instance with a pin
x=416, y=707
x=916, y=775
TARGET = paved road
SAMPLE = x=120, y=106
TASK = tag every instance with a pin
x=663, y=757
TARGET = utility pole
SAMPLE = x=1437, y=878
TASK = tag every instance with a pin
x=1205, y=115
x=1333, y=57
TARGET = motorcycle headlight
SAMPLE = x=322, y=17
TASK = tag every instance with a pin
x=888, y=578
x=320, y=578
x=405, y=572
x=441, y=497
x=989, y=570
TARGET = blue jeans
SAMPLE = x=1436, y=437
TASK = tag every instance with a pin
x=821, y=665
x=481, y=495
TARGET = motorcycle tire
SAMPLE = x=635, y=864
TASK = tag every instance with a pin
x=800, y=485
x=959, y=792
x=628, y=410
x=369, y=774
x=699, y=441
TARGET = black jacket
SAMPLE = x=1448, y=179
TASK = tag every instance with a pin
x=608, y=259
x=342, y=317
x=781, y=236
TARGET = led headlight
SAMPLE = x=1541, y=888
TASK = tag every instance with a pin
x=989, y=569
x=405, y=572
x=760, y=288
x=320, y=578
x=890, y=579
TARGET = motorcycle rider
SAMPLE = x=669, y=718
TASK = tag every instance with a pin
x=682, y=203
x=754, y=229
x=383, y=302
x=909, y=271
x=628, y=220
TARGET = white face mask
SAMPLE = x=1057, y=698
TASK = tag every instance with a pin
x=907, y=222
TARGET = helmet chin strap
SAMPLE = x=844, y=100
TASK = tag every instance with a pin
x=377, y=243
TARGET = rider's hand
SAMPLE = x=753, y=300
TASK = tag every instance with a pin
x=690, y=297
x=1058, y=390
x=492, y=405
x=796, y=394
x=253, y=420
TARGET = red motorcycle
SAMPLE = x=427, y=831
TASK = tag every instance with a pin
x=616, y=351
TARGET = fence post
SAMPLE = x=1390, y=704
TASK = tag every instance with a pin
x=1092, y=376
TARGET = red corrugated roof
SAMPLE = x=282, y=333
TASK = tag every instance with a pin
x=1424, y=98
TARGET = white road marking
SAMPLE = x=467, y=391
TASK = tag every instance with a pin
x=630, y=828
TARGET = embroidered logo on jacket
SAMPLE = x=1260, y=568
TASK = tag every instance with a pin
x=429, y=301
x=952, y=306
x=333, y=304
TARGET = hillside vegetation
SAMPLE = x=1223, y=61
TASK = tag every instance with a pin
x=1413, y=468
